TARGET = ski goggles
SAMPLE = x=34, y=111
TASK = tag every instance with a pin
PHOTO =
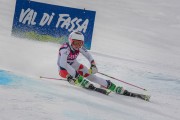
x=77, y=43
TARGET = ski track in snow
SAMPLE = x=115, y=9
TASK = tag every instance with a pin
x=43, y=94
x=145, y=53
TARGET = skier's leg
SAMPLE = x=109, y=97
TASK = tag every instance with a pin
x=80, y=68
x=106, y=83
x=69, y=70
x=83, y=70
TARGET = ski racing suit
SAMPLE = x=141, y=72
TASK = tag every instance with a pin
x=69, y=65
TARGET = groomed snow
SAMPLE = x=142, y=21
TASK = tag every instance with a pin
x=135, y=41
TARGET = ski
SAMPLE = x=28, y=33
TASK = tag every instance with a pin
x=136, y=95
x=105, y=91
x=89, y=86
x=143, y=97
x=100, y=90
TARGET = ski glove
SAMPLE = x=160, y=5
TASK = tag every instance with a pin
x=74, y=81
x=93, y=69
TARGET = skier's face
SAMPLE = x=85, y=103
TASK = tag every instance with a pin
x=76, y=44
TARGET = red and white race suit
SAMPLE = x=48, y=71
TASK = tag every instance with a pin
x=69, y=65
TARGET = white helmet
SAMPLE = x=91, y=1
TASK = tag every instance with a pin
x=75, y=36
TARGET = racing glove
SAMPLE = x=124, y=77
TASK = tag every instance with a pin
x=74, y=81
x=93, y=69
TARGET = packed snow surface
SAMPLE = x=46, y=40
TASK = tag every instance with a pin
x=136, y=41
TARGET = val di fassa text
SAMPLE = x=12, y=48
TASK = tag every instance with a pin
x=65, y=21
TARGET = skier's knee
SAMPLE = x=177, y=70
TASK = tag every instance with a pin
x=82, y=71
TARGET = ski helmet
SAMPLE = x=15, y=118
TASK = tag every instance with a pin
x=75, y=36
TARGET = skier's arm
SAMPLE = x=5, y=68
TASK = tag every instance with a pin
x=93, y=69
x=62, y=62
x=86, y=54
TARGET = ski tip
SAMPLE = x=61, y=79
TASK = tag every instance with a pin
x=147, y=98
x=108, y=92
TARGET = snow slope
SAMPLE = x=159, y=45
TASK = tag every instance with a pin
x=136, y=41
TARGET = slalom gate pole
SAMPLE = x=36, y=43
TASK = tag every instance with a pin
x=53, y=78
x=122, y=81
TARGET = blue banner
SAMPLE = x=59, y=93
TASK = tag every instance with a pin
x=47, y=22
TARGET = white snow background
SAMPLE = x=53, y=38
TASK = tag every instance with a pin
x=134, y=40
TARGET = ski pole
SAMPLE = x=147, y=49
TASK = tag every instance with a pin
x=121, y=81
x=52, y=78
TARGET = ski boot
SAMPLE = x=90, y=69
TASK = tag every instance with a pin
x=117, y=89
x=79, y=81
x=120, y=90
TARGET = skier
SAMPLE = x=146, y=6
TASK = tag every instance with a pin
x=77, y=73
